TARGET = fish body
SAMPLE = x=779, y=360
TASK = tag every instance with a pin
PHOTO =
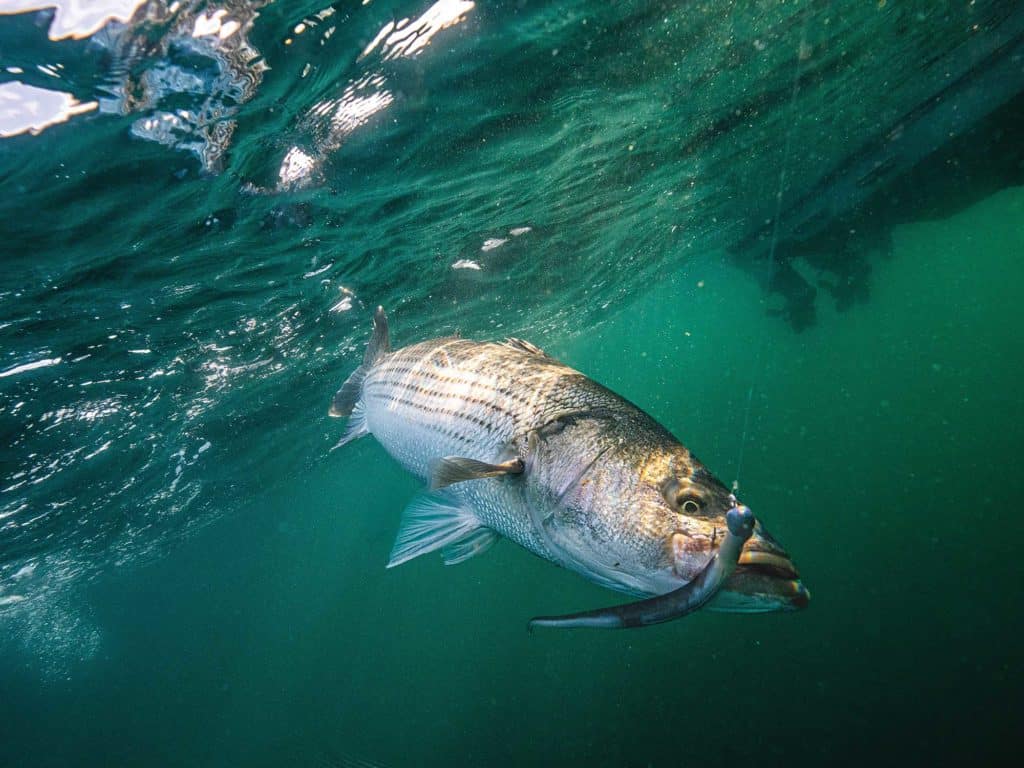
x=521, y=446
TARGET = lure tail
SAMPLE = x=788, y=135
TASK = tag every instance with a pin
x=672, y=605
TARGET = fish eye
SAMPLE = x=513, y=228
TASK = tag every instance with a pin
x=682, y=499
x=689, y=503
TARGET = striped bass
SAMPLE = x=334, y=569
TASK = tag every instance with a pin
x=514, y=443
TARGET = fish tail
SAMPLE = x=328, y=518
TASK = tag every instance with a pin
x=380, y=340
x=348, y=400
x=347, y=397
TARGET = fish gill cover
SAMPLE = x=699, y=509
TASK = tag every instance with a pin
x=202, y=202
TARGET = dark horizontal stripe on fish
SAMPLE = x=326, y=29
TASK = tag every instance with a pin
x=449, y=413
x=419, y=409
x=494, y=364
x=421, y=381
x=424, y=420
x=451, y=375
x=423, y=404
x=438, y=394
x=449, y=393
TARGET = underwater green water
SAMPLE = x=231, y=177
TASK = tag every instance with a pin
x=790, y=232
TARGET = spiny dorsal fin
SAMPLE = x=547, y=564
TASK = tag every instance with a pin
x=524, y=346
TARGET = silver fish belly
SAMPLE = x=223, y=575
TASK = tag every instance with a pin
x=514, y=443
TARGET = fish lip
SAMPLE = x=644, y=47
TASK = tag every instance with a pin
x=771, y=564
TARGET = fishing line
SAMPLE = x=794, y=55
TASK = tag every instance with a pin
x=760, y=361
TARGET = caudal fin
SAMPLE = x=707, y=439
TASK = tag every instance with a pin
x=380, y=344
x=380, y=341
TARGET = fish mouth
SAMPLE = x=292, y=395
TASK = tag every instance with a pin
x=765, y=580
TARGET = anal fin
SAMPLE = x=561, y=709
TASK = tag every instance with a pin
x=457, y=469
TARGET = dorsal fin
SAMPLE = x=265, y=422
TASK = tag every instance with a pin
x=524, y=346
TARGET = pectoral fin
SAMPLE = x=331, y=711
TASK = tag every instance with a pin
x=456, y=469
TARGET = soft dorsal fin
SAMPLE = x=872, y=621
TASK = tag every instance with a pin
x=524, y=346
